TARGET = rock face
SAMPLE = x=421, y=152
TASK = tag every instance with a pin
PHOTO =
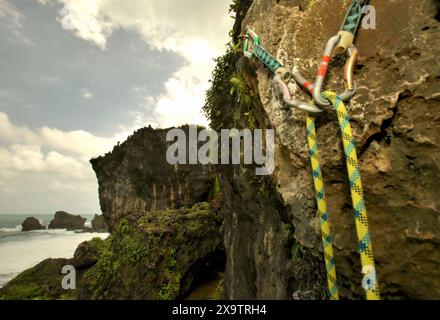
x=135, y=176
x=88, y=253
x=98, y=224
x=156, y=255
x=64, y=220
x=395, y=118
x=30, y=224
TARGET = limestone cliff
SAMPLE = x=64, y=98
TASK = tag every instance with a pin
x=395, y=117
x=136, y=176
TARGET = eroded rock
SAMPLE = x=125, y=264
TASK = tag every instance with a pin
x=99, y=224
x=136, y=176
x=152, y=255
x=30, y=224
x=395, y=118
x=64, y=220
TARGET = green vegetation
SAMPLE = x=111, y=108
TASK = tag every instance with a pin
x=215, y=190
x=124, y=250
x=42, y=282
x=311, y=3
x=139, y=181
x=146, y=259
x=171, y=288
x=97, y=243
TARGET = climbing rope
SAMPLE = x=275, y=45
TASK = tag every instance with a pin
x=357, y=193
x=322, y=209
x=342, y=42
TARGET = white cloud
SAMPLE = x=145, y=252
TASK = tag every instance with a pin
x=81, y=16
x=38, y=162
x=30, y=158
x=15, y=22
x=78, y=142
x=49, y=167
x=195, y=29
x=14, y=134
x=67, y=156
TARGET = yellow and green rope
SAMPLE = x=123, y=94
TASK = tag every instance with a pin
x=322, y=209
x=357, y=195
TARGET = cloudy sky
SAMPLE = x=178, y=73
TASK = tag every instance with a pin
x=77, y=76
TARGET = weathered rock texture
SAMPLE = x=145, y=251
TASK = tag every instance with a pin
x=136, y=176
x=163, y=232
x=64, y=220
x=99, y=224
x=155, y=255
x=88, y=253
x=30, y=224
x=396, y=124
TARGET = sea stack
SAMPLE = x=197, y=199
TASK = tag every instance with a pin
x=30, y=224
x=64, y=220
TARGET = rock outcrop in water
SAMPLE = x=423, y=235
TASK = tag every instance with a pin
x=30, y=224
x=64, y=220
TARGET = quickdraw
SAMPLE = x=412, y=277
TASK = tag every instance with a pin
x=281, y=75
x=351, y=24
x=342, y=42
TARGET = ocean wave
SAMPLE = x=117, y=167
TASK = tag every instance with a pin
x=16, y=229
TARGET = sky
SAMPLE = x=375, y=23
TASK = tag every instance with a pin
x=78, y=76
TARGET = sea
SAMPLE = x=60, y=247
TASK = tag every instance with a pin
x=22, y=250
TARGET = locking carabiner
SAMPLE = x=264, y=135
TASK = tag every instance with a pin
x=348, y=73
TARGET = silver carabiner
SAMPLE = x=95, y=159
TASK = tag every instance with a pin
x=287, y=97
x=349, y=68
x=322, y=72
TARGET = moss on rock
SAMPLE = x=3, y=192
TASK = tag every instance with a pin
x=42, y=282
x=149, y=254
